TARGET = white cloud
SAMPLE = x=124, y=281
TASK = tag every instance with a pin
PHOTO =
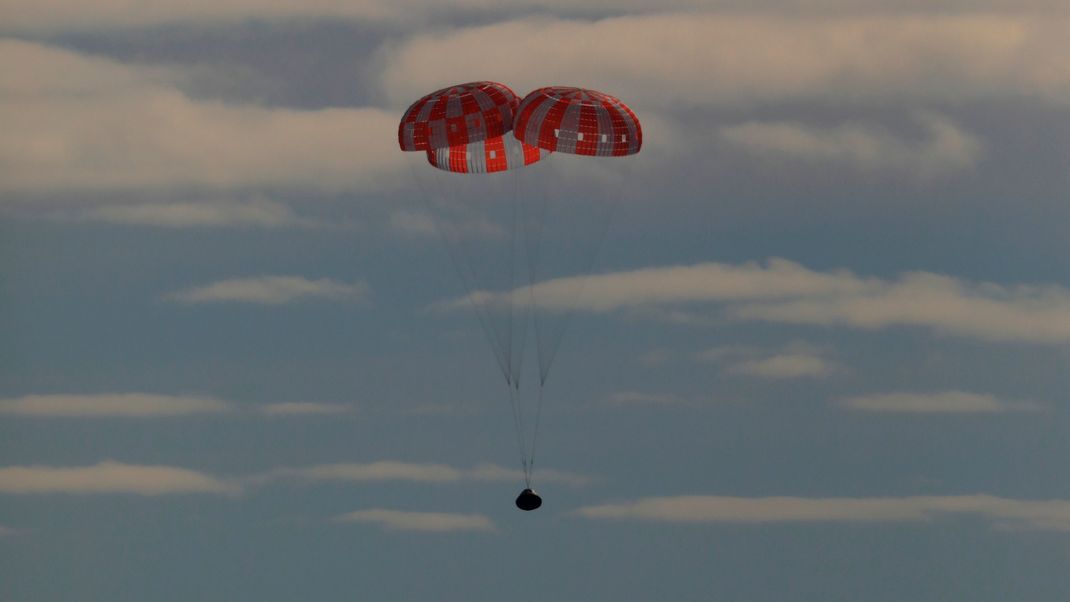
x=786, y=292
x=1039, y=314
x=110, y=478
x=794, y=360
x=945, y=149
x=703, y=282
x=76, y=122
x=786, y=365
x=412, y=472
x=304, y=408
x=736, y=58
x=149, y=405
x=270, y=290
x=438, y=522
x=944, y=402
x=1053, y=515
x=372, y=471
x=259, y=213
x=81, y=123
x=131, y=405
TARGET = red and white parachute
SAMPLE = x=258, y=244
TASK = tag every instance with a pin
x=578, y=121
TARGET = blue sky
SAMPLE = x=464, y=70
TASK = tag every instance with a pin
x=822, y=354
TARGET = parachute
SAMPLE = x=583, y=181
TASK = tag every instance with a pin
x=492, y=155
x=486, y=187
x=458, y=115
x=578, y=121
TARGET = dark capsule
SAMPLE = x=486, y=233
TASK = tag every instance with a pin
x=528, y=500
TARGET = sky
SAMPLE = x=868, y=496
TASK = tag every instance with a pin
x=815, y=336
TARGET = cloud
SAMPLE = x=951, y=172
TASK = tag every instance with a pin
x=637, y=398
x=149, y=405
x=739, y=58
x=411, y=472
x=1048, y=515
x=413, y=223
x=110, y=478
x=493, y=472
x=299, y=408
x=80, y=123
x=71, y=15
x=1037, y=314
x=786, y=365
x=945, y=149
x=270, y=290
x=786, y=292
x=438, y=522
x=453, y=227
x=795, y=360
x=128, y=405
x=373, y=471
x=945, y=402
x=256, y=213
x=703, y=282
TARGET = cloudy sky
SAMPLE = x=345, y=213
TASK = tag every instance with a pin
x=822, y=351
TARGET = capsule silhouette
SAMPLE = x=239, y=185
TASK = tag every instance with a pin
x=528, y=500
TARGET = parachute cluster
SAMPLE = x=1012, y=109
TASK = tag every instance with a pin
x=466, y=128
x=483, y=128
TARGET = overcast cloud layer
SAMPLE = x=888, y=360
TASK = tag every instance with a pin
x=729, y=59
x=173, y=140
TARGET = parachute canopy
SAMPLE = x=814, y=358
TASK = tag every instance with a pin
x=578, y=121
x=456, y=115
x=501, y=153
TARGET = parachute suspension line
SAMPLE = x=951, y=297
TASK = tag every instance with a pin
x=535, y=435
x=467, y=280
x=514, y=403
x=532, y=216
x=501, y=346
x=511, y=286
x=533, y=227
x=528, y=307
x=514, y=385
x=555, y=338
